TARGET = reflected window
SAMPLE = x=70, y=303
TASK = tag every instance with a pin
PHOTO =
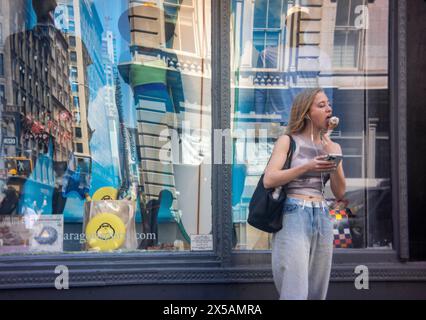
x=74, y=87
x=267, y=32
x=74, y=74
x=73, y=56
x=72, y=42
x=351, y=21
x=75, y=102
x=79, y=147
x=78, y=132
x=179, y=25
x=1, y=92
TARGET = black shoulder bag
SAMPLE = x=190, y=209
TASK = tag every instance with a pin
x=265, y=212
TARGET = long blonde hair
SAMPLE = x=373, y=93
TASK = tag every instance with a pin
x=300, y=108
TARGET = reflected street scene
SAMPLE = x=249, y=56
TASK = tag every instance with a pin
x=95, y=96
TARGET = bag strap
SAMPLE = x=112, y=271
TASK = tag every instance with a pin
x=290, y=152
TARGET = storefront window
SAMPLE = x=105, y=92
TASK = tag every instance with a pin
x=279, y=48
x=115, y=154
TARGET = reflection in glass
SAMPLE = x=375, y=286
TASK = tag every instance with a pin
x=105, y=101
x=280, y=47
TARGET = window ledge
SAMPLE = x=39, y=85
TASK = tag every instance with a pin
x=137, y=270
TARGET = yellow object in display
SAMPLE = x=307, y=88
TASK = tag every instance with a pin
x=105, y=232
x=105, y=193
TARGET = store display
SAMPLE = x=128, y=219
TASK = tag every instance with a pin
x=77, y=177
x=105, y=231
x=341, y=228
x=14, y=235
x=105, y=193
x=47, y=233
x=47, y=236
x=31, y=233
x=109, y=225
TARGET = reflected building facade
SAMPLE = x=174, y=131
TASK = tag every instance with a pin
x=67, y=18
x=170, y=76
x=92, y=97
x=37, y=96
x=109, y=60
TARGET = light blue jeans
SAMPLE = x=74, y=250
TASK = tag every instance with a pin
x=302, y=251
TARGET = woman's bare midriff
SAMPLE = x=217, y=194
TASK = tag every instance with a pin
x=305, y=197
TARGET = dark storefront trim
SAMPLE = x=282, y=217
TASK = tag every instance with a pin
x=398, y=91
x=137, y=270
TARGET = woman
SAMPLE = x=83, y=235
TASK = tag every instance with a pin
x=302, y=249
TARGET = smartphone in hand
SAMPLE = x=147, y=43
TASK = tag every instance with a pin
x=334, y=157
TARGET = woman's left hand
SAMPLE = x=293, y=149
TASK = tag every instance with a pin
x=329, y=146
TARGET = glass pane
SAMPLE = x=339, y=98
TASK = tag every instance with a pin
x=339, y=48
x=171, y=19
x=260, y=13
x=346, y=48
x=352, y=69
x=105, y=138
x=187, y=30
x=258, y=41
x=272, y=40
x=342, y=12
x=274, y=14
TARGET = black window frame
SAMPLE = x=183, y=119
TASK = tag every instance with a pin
x=223, y=264
x=73, y=56
x=79, y=147
x=1, y=64
x=77, y=132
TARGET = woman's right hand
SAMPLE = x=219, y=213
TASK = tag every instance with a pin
x=318, y=164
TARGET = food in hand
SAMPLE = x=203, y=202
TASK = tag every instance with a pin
x=333, y=123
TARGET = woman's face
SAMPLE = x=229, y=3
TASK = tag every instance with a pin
x=320, y=111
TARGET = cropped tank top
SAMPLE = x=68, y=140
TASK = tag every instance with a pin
x=310, y=183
